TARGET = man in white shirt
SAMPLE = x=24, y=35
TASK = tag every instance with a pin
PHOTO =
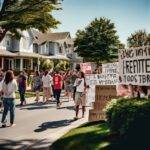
x=80, y=98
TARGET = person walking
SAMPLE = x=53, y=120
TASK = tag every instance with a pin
x=9, y=88
x=37, y=84
x=47, y=81
x=22, y=84
x=1, y=93
x=57, y=84
x=80, y=98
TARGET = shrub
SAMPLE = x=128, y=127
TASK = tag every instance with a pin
x=129, y=116
x=47, y=64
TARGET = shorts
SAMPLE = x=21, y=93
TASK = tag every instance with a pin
x=69, y=88
x=37, y=88
x=80, y=99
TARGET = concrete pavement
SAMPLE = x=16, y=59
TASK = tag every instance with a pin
x=39, y=125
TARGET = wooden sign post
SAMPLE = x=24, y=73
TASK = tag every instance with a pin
x=103, y=94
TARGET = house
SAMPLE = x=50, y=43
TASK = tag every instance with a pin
x=25, y=53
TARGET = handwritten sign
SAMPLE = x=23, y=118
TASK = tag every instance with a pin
x=86, y=68
x=102, y=79
x=134, y=66
x=110, y=68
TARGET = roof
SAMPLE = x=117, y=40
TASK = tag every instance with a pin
x=54, y=37
x=4, y=52
x=26, y=54
x=56, y=57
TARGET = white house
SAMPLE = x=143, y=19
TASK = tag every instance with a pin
x=24, y=53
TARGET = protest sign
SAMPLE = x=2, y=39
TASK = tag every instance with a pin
x=134, y=66
x=86, y=68
x=104, y=93
x=102, y=79
x=110, y=68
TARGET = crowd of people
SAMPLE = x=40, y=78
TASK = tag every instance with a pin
x=50, y=83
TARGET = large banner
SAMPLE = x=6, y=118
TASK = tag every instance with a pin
x=86, y=68
x=110, y=68
x=134, y=66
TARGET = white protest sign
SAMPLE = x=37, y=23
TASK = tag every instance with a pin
x=134, y=66
x=102, y=79
x=110, y=68
x=99, y=79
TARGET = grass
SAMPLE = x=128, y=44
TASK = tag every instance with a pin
x=96, y=136
x=28, y=94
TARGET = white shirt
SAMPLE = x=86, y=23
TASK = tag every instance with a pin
x=10, y=89
x=1, y=85
x=79, y=83
x=47, y=80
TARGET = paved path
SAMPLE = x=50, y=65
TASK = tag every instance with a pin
x=39, y=125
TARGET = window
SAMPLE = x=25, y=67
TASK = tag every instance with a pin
x=26, y=64
x=35, y=48
x=17, y=63
x=60, y=49
x=8, y=43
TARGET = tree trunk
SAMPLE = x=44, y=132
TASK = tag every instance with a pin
x=2, y=33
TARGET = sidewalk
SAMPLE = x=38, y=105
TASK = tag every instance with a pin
x=39, y=125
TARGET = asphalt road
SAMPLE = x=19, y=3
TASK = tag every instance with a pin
x=38, y=125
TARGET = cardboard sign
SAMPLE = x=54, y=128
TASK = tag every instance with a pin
x=86, y=68
x=104, y=93
x=134, y=66
x=110, y=68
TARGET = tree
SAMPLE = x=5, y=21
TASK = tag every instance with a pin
x=98, y=41
x=26, y=14
x=139, y=38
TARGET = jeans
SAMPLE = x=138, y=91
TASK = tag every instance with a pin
x=9, y=105
x=57, y=93
x=22, y=97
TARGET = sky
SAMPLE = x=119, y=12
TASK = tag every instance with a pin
x=128, y=15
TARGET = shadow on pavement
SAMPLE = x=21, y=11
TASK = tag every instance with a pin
x=68, y=107
x=7, y=144
x=36, y=104
x=54, y=124
x=39, y=107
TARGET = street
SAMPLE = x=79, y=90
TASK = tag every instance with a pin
x=38, y=125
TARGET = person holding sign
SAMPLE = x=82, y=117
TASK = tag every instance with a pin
x=80, y=94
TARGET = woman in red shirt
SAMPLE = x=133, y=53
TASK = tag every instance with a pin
x=57, y=81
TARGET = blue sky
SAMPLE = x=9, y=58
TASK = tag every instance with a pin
x=128, y=15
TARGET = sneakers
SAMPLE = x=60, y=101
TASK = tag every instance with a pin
x=76, y=118
x=3, y=125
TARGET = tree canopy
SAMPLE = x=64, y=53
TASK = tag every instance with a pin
x=139, y=38
x=25, y=14
x=98, y=41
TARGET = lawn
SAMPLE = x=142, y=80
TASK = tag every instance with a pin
x=96, y=136
x=27, y=94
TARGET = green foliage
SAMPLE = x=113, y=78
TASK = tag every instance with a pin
x=47, y=64
x=129, y=116
x=26, y=14
x=99, y=39
x=139, y=38
x=62, y=65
